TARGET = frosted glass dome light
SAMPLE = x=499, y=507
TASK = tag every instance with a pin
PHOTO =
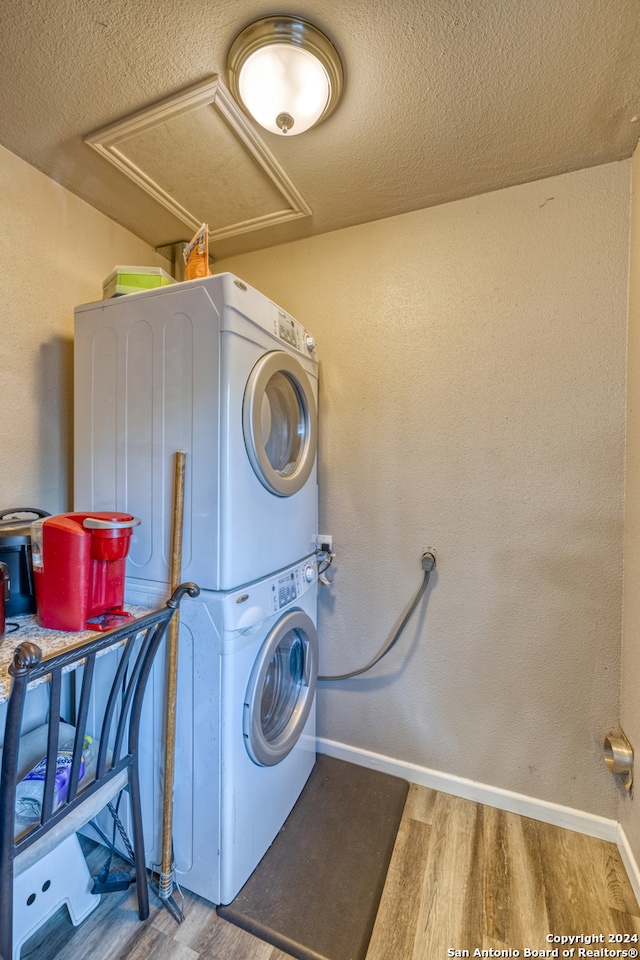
x=285, y=73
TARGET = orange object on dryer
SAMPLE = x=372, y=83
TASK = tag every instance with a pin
x=196, y=255
x=79, y=564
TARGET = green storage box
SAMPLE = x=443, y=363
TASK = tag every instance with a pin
x=133, y=279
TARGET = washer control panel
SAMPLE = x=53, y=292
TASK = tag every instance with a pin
x=288, y=587
x=249, y=606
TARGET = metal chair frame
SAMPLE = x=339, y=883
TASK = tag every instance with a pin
x=117, y=751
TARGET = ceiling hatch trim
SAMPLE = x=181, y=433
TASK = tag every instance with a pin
x=110, y=142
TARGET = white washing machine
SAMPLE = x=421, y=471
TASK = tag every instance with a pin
x=246, y=726
x=215, y=368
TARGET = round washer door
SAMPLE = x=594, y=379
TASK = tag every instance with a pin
x=281, y=689
x=279, y=420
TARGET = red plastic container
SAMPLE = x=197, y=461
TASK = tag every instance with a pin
x=79, y=568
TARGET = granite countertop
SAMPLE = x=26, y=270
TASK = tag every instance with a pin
x=50, y=641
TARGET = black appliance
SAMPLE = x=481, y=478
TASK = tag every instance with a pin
x=15, y=551
x=4, y=594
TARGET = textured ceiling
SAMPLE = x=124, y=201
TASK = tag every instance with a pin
x=444, y=99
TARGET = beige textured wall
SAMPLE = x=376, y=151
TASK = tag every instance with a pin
x=630, y=713
x=55, y=252
x=472, y=400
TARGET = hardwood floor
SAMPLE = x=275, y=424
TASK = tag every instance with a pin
x=114, y=932
x=469, y=877
x=463, y=877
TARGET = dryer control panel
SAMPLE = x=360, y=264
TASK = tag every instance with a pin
x=293, y=333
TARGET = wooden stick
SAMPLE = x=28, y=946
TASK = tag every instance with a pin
x=166, y=878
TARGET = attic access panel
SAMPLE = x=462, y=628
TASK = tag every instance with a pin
x=197, y=155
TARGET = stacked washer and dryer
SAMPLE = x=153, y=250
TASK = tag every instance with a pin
x=214, y=368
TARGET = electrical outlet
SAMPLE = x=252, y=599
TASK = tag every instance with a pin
x=323, y=540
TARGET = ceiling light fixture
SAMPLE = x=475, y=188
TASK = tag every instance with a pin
x=285, y=73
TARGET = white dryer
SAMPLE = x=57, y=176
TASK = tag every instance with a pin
x=246, y=727
x=214, y=368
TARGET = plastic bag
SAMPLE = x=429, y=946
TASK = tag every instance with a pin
x=196, y=255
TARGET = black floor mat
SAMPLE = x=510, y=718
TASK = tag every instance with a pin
x=316, y=892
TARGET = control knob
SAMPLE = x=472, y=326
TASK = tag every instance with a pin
x=308, y=573
x=311, y=344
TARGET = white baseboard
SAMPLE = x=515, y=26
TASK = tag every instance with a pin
x=630, y=862
x=554, y=813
